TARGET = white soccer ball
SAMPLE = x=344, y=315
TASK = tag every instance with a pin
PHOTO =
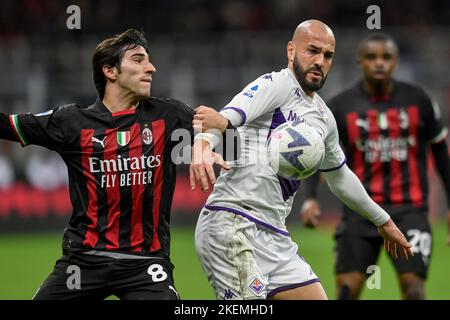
x=295, y=150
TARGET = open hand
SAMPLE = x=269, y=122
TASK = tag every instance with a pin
x=310, y=212
x=201, y=170
x=394, y=238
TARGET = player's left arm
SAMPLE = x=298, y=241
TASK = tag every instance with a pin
x=347, y=187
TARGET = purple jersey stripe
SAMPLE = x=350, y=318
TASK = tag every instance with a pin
x=240, y=111
x=292, y=286
x=288, y=187
x=335, y=168
x=277, y=119
x=257, y=221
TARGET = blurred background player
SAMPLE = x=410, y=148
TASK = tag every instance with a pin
x=385, y=127
x=121, y=178
x=241, y=237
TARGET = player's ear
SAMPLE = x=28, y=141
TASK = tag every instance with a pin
x=290, y=51
x=110, y=72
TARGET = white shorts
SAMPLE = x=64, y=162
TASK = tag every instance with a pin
x=244, y=260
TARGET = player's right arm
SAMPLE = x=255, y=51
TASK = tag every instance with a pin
x=6, y=128
x=42, y=129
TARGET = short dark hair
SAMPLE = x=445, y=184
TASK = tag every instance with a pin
x=377, y=36
x=110, y=52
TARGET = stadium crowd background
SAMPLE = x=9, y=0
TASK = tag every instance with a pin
x=205, y=52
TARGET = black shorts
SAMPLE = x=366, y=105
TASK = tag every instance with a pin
x=82, y=276
x=356, y=250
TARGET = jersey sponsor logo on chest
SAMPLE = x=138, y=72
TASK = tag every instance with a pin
x=125, y=171
x=293, y=117
x=124, y=164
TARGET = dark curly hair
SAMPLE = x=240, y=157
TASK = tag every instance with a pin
x=110, y=52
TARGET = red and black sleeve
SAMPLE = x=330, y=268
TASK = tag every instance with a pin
x=42, y=129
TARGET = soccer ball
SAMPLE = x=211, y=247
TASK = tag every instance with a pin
x=295, y=150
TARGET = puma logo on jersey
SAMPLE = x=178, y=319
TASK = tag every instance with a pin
x=101, y=142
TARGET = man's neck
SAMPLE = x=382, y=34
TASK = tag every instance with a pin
x=118, y=102
x=381, y=89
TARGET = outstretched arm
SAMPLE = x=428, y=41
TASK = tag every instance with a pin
x=347, y=187
x=6, y=128
x=42, y=129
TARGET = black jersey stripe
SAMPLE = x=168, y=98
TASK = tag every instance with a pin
x=396, y=151
x=376, y=167
x=158, y=129
x=415, y=188
x=137, y=231
x=112, y=190
x=354, y=138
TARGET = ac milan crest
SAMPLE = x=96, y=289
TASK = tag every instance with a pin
x=147, y=136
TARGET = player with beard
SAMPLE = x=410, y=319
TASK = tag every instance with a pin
x=241, y=238
x=386, y=127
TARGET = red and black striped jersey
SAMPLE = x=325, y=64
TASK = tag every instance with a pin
x=385, y=140
x=121, y=173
